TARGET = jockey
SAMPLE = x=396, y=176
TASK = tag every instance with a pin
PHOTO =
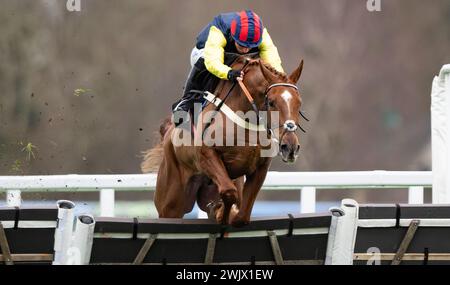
x=242, y=33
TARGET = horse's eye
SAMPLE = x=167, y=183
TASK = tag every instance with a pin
x=271, y=104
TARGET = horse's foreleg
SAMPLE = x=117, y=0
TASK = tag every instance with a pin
x=239, y=183
x=208, y=199
x=253, y=184
x=210, y=163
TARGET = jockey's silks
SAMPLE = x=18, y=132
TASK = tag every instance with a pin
x=216, y=38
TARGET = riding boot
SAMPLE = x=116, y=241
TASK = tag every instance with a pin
x=185, y=104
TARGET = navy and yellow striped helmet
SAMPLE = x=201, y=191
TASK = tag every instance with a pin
x=247, y=29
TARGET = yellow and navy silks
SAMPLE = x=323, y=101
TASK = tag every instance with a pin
x=216, y=39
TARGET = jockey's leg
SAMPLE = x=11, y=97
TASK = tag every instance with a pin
x=186, y=102
x=210, y=164
x=199, y=79
x=252, y=185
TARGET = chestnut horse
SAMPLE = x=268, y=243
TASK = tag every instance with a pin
x=214, y=175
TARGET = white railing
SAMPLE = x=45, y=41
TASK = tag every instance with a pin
x=304, y=182
x=440, y=136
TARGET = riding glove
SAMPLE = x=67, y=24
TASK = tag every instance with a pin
x=233, y=74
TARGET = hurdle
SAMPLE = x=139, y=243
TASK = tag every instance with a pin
x=46, y=235
x=349, y=234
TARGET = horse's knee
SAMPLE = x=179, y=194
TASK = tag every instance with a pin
x=229, y=195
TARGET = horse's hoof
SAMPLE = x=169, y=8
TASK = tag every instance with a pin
x=234, y=213
x=219, y=218
x=239, y=222
x=215, y=211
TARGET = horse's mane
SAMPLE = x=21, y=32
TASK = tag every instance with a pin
x=281, y=75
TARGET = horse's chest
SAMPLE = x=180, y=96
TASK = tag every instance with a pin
x=241, y=161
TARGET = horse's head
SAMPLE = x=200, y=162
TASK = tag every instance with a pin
x=274, y=91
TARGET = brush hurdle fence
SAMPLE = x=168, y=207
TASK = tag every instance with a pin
x=336, y=230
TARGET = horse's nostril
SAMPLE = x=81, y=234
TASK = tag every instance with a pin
x=297, y=149
x=284, y=148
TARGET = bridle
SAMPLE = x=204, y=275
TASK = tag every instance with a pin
x=289, y=126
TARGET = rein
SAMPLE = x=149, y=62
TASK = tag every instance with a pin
x=219, y=106
x=249, y=98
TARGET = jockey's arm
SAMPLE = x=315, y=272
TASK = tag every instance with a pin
x=269, y=52
x=214, y=53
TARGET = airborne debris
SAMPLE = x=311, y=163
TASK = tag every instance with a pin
x=28, y=149
x=17, y=166
x=81, y=91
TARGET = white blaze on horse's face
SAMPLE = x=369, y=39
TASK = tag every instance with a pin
x=287, y=96
x=288, y=103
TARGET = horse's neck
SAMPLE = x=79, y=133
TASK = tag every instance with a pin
x=237, y=101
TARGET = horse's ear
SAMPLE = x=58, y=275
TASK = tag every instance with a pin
x=295, y=75
x=268, y=74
